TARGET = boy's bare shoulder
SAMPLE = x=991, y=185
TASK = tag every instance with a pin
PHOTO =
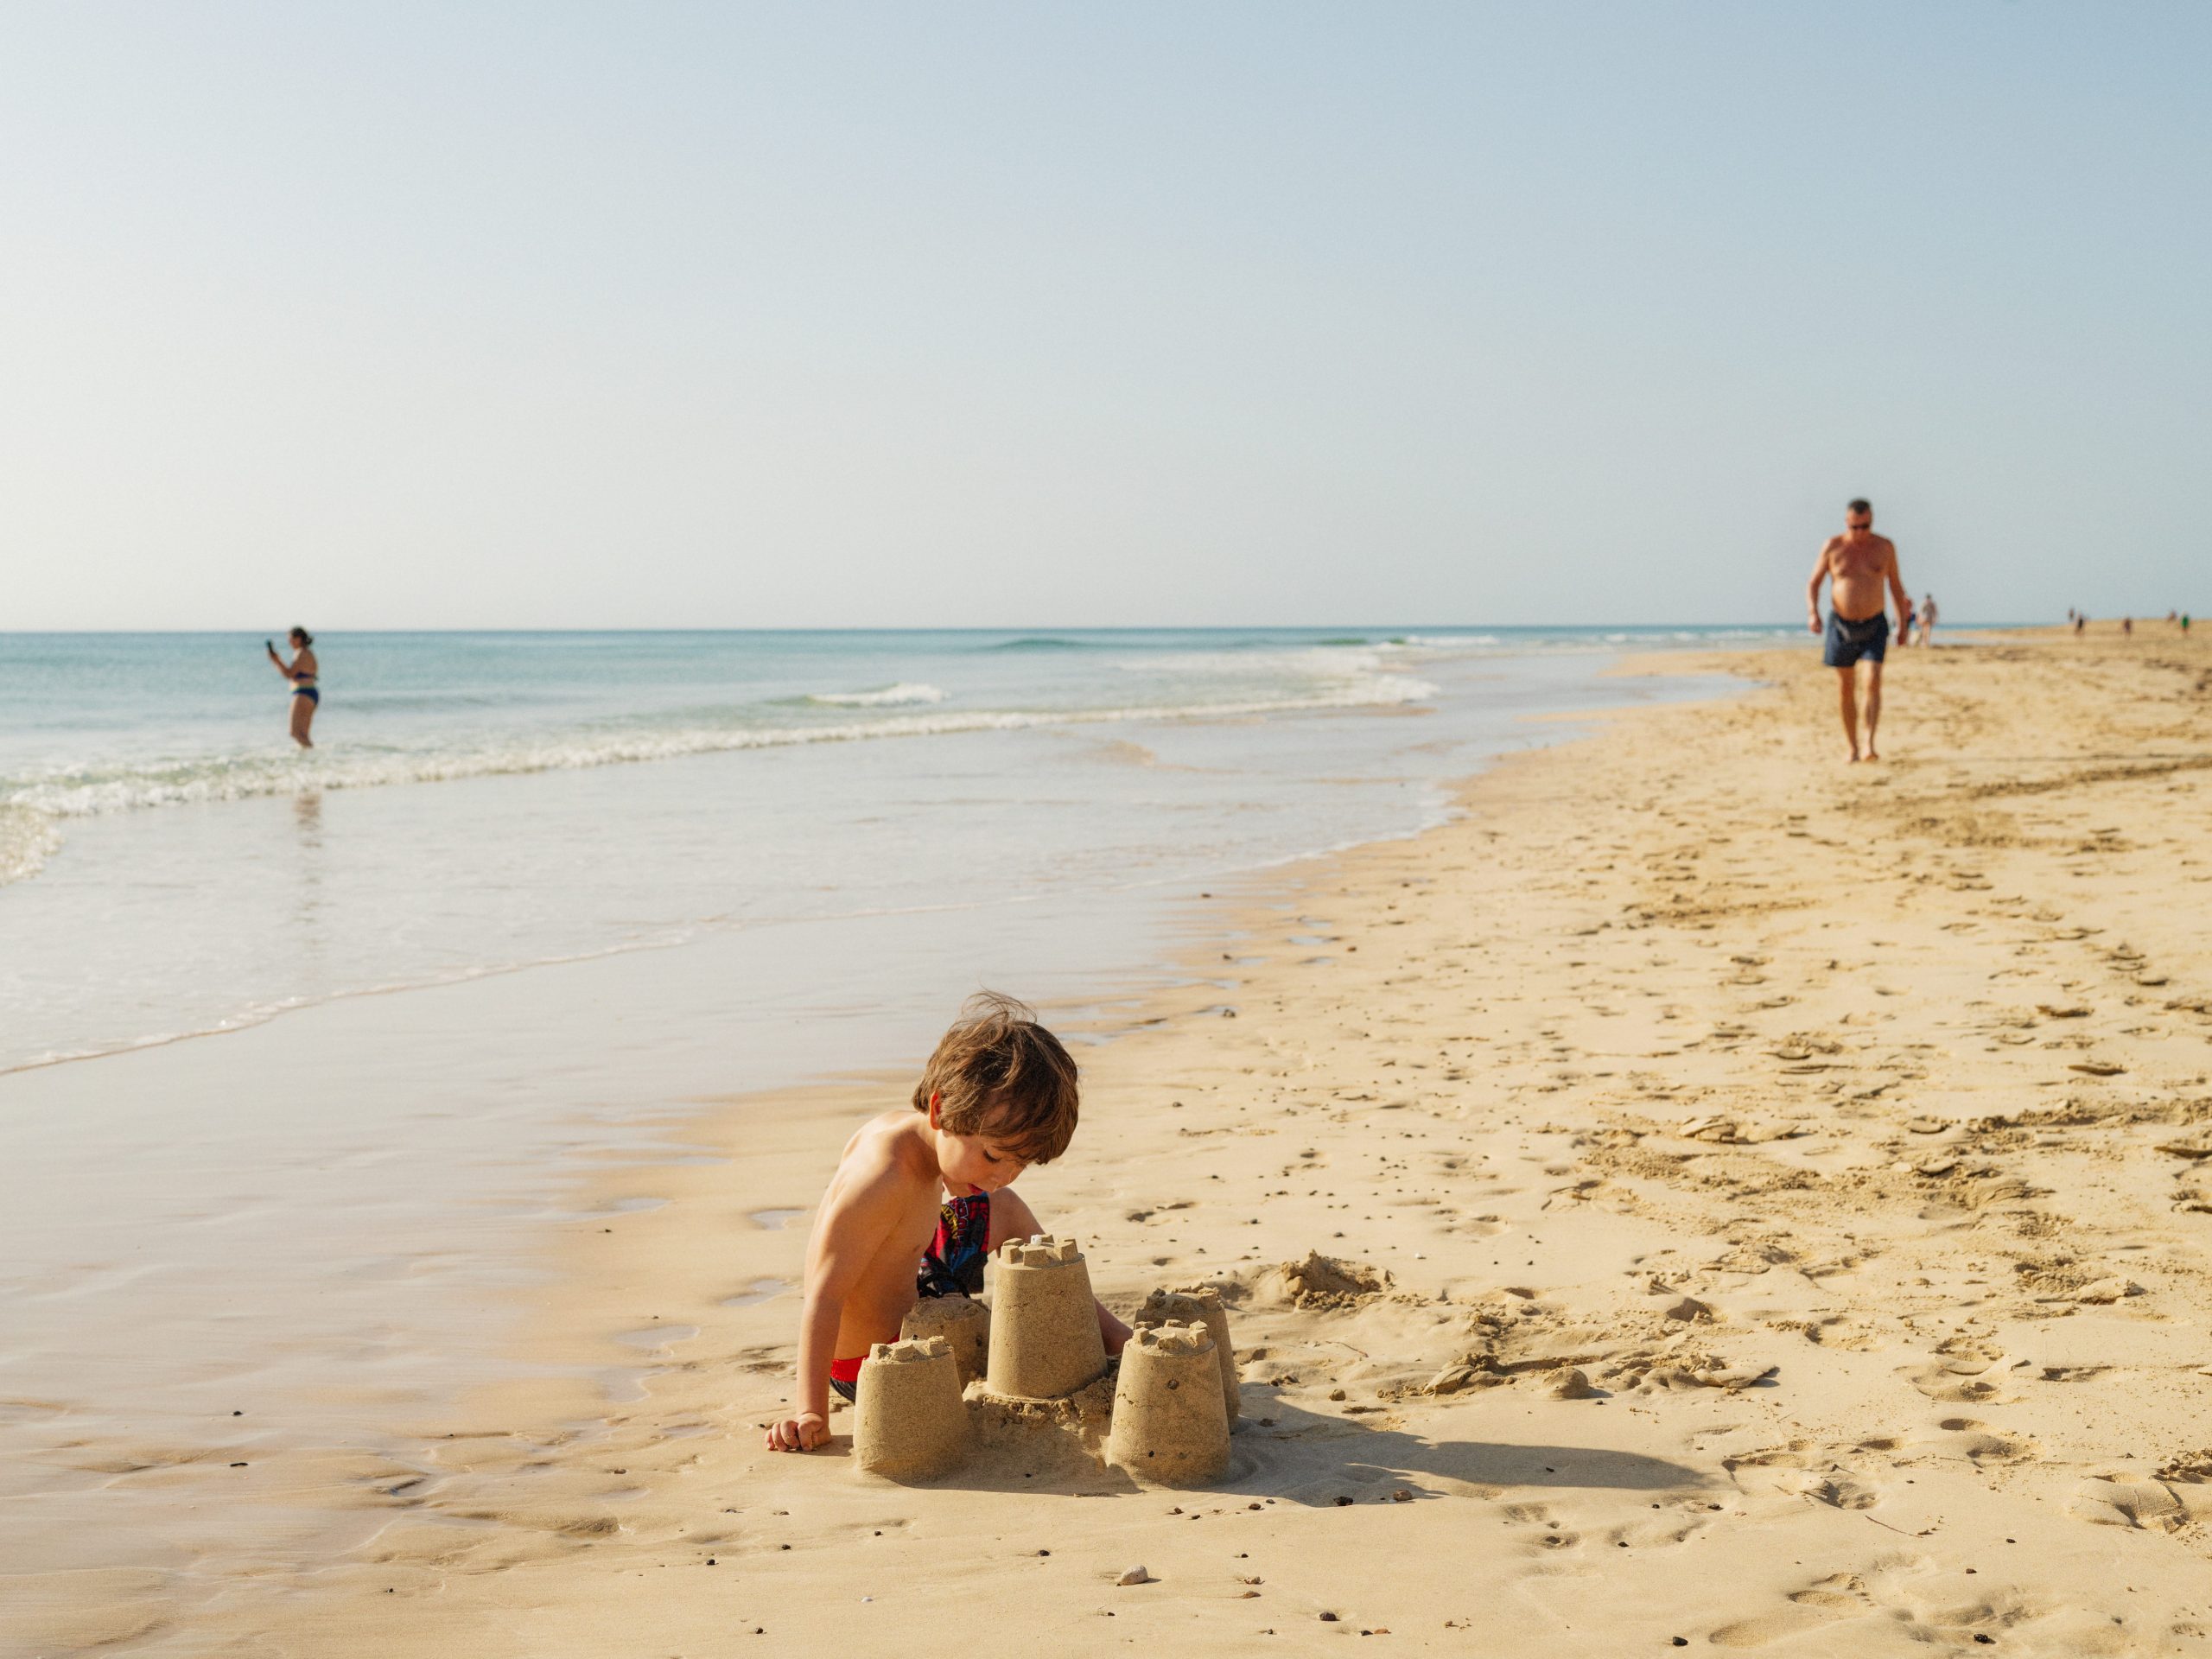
x=885, y=1146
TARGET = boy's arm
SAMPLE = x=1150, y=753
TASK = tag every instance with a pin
x=1012, y=1218
x=849, y=1237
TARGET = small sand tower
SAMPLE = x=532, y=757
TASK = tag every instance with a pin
x=1199, y=1305
x=913, y=1423
x=1169, y=1426
x=964, y=1324
x=1045, y=1339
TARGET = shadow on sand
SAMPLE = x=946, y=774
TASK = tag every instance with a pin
x=1304, y=1457
x=1297, y=1456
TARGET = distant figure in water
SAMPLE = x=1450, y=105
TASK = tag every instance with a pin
x=1857, y=565
x=301, y=671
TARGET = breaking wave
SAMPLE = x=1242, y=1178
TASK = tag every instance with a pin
x=83, y=791
x=889, y=696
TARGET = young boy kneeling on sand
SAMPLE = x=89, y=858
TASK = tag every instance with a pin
x=921, y=1197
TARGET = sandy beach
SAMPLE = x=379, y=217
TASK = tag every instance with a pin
x=1704, y=1195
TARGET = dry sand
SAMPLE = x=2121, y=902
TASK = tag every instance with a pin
x=1707, y=1195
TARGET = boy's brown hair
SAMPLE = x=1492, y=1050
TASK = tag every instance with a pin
x=998, y=1072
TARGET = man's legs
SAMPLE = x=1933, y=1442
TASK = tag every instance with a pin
x=1846, y=681
x=1873, y=704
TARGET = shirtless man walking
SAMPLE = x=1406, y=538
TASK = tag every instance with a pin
x=1857, y=564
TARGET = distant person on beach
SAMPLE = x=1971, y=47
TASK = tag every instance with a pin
x=1928, y=619
x=923, y=1194
x=2081, y=621
x=1857, y=565
x=301, y=672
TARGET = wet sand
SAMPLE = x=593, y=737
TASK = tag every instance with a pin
x=1762, y=1203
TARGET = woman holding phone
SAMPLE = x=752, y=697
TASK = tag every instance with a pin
x=301, y=672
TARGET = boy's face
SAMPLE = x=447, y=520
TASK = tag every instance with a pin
x=977, y=1161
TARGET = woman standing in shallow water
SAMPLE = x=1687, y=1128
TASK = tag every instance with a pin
x=301, y=672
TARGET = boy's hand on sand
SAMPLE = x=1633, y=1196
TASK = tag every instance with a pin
x=800, y=1433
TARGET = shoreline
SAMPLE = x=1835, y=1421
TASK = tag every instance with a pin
x=211, y=917
x=531, y=1539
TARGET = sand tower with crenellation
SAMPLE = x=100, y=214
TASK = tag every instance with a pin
x=1197, y=1305
x=1044, y=1339
x=1170, y=1427
x=913, y=1424
x=964, y=1325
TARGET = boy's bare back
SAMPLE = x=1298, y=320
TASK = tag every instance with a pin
x=876, y=1218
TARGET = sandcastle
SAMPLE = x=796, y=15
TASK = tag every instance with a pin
x=1045, y=1338
x=1169, y=1424
x=1035, y=1359
x=1200, y=1305
x=913, y=1423
x=964, y=1325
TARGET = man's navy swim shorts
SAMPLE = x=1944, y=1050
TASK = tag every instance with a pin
x=1847, y=642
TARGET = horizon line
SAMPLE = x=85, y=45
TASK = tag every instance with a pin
x=1039, y=628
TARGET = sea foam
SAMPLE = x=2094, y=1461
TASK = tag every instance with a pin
x=27, y=839
x=889, y=696
x=84, y=791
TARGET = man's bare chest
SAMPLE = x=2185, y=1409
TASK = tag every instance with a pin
x=1855, y=563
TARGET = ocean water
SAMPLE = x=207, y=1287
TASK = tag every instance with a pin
x=479, y=803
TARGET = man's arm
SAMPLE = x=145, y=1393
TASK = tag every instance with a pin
x=849, y=1237
x=1812, y=588
x=1897, y=586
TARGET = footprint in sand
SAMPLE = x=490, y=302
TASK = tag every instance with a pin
x=1980, y=1443
x=2123, y=1503
x=1473, y=1226
x=1838, y=1595
x=1548, y=1534
x=1687, y=1521
x=1917, y=1609
x=1802, y=1470
x=1840, y=1492
x=1967, y=1377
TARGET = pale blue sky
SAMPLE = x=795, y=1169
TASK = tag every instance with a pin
x=445, y=314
